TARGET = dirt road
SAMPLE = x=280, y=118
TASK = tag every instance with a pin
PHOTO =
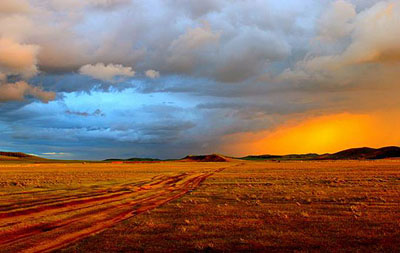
x=51, y=221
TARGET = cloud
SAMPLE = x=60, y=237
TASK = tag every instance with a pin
x=376, y=37
x=14, y=6
x=370, y=51
x=203, y=40
x=20, y=90
x=199, y=8
x=18, y=59
x=3, y=77
x=195, y=38
x=106, y=72
x=153, y=74
x=241, y=62
x=55, y=153
x=336, y=22
x=97, y=112
x=227, y=67
x=107, y=4
x=186, y=51
x=254, y=110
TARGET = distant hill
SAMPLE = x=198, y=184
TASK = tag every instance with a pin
x=281, y=157
x=133, y=159
x=19, y=157
x=364, y=153
x=205, y=158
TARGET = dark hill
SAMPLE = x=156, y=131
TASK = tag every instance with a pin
x=18, y=156
x=364, y=153
x=134, y=159
x=205, y=158
x=282, y=157
x=262, y=157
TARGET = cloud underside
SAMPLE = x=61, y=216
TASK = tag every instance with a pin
x=20, y=90
x=213, y=39
x=17, y=58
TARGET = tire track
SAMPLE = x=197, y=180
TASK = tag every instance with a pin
x=46, y=225
x=54, y=198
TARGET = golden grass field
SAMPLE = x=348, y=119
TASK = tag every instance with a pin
x=336, y=206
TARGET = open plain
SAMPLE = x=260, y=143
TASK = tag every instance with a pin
x=193, y=206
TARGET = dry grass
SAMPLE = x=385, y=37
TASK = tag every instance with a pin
x=48, y=206
x=249, y=206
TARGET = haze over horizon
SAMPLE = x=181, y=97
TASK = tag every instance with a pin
x=123, y=78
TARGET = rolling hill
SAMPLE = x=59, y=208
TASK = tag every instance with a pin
x=133, y=159
x=205, y=158
x=281, y=157
x=364, y=153
x=19, y=157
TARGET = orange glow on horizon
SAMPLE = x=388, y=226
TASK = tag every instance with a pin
x=324, y=134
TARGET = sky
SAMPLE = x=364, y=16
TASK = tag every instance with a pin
x=98, y=79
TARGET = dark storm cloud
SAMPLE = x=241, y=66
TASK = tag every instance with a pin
x=204, y=38
x=253, y=109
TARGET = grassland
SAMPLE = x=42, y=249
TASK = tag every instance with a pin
x=189, y=206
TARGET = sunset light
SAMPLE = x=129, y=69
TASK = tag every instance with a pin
x=323, y=134
x=199, y=126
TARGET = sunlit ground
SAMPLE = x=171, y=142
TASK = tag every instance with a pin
x=251, y=206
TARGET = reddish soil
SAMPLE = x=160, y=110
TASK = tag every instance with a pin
x=48, y=223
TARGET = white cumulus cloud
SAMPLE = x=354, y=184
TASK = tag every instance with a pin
x=108, y=72
x=153, y=74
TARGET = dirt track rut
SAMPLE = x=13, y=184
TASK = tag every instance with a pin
x=52, y=221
